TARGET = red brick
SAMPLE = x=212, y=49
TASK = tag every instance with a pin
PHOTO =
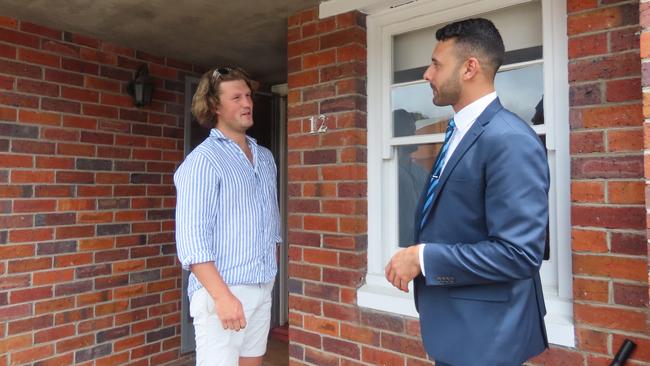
x=341, y=312
x=610, y=318
x=80, y=122
x=16, y=251
x=76, y=204
x=624, y=90
x=92, y=82
x=30, y=295
x=321, y=291
x=612, y=116
x=299, y=270
x=66, y=359
x=361, y=335
x=558, y=356
x=304, y=304
x=60, y=48
x=624, y=39
x=626, y=192
x=609, y=266
x=321, y=326
x=631, y=295
x=31, y=235
x=18, y=100
x=11, y=282
x=605, y=67
x=605, y=18
x=42, y=118
x=32, y=354
x=375, y=356
x=73, y=260
x=579, y=5
x=590, y=290
x=37, y=176
x=587, y=191
x=402, y=344
x=52, y=306
x=625, y=140
x=320, y=223
x=37, y=57
x=14, y=312
x=589, y=241
x=302, y=337
x=629, y=243
x=52, y=334
x=593, y=44
x=75, y=343
x=320, y=358
x=305, y=78
x=607, y=167
x=8, y=22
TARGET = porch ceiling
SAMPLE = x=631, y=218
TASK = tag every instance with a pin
x=248, y=33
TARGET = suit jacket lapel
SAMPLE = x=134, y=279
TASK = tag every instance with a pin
x=468, y=140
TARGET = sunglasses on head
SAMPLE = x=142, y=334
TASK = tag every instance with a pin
x=219, y=72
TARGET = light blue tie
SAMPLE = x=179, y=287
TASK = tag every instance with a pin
x=436, y=172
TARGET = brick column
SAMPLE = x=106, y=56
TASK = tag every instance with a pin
x=645, y=82
x=610, y=285
x=327, y=182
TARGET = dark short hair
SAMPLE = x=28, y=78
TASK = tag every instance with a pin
x=477, y=37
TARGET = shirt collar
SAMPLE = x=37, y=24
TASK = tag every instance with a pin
x=215, y=132
x=466, y=116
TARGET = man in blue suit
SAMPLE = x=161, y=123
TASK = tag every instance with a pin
x=480, y=225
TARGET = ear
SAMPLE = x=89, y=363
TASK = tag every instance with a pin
x=472, y=68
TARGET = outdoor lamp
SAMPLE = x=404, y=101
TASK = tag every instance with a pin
x=141, y=87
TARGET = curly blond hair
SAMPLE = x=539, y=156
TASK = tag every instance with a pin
x=206, y=98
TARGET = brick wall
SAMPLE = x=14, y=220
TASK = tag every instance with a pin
x=327, y=176
x=610, y=283
x=87, y=257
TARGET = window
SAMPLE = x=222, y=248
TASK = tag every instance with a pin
x=407, y=130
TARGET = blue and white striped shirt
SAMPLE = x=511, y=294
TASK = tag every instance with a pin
x=227, y=211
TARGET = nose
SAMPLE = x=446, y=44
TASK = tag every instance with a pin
x=248, y=102
x=428, y=73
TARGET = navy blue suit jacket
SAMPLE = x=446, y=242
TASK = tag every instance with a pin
x=481, y=301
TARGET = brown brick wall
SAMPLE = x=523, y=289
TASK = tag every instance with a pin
x=327, y=194
x=87, y=257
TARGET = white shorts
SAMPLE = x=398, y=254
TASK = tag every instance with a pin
x=218, y=347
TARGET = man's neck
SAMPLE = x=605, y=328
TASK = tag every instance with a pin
x=238, y=137
x=471, y=95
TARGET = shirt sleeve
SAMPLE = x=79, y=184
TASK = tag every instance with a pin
x=421, y=254
x=197, y=190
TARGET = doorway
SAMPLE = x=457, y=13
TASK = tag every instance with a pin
x=269, y=129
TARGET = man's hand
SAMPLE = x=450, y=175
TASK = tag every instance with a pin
x=403, y=267
x=230, y=312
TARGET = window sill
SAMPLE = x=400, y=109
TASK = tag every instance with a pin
x=378, y=294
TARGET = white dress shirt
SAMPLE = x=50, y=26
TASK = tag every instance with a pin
x=464, y=120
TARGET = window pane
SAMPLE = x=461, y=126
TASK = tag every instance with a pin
x=519, y=25
x=414, y=166
x=521, y=90
x=414, y=112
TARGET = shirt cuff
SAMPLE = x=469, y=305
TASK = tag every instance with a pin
x=421, y=255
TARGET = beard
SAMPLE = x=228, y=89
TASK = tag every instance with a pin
x=448, y=93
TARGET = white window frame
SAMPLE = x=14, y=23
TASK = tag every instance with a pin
x=387, y=18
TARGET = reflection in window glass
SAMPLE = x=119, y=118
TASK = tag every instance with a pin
x=414, y=166
x=520, y=90
x=417, y=101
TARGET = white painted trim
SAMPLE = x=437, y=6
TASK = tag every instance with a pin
x=281, y=89
x=335, y=7
x=382, y=201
